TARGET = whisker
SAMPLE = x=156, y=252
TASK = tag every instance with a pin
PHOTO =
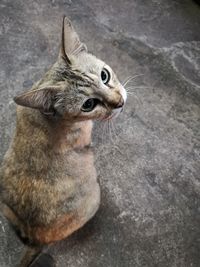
x=132, y=93
x=125, y=80
x=110, y=131
x=103, y=132
x=137, y=99
x=130, y=79
x=106, y=135
x=114, y=130
x=138, y=87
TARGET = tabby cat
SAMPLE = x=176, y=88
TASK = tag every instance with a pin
x=48, y=179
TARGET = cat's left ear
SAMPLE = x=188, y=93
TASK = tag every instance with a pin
x=47, y=100
x=70, y=42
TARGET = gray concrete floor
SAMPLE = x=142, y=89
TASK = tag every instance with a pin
x=149, y=169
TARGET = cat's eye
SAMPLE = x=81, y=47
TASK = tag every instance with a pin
x=89, y=104
x=105, y=76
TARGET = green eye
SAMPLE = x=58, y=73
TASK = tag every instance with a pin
x=89, y=104
x=105, y=76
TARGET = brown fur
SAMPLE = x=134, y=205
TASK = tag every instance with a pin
x=44, y=184
x=48, y=178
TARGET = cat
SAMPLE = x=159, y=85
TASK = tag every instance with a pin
x=48, y=180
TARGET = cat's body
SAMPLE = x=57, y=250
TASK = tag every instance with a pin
x=52, y=190
x=48, y=180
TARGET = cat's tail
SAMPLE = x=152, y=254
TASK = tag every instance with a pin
x=34, y=257
x=44, y=260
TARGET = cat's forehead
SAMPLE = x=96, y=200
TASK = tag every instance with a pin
x=88, y=63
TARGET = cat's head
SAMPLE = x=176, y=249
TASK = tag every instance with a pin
x=78, y=87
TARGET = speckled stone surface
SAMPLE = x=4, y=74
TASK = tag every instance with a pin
x=148, y=161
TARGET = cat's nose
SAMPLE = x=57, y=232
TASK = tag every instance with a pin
x=120, y=103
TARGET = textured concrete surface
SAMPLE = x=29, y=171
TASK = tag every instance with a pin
x=149, y=163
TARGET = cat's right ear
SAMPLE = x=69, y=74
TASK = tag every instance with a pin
x=70, y=42
x=47, y=100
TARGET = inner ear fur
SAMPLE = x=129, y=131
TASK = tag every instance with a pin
x=43, y=99
x=70, y=42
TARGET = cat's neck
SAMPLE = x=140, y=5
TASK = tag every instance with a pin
x=67, y=136
x=58, y=135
